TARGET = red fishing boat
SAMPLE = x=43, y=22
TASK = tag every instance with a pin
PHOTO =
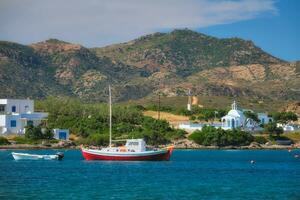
x=134, y=149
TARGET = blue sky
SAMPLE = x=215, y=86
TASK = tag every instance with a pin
x=273, y=25
x=278, y=34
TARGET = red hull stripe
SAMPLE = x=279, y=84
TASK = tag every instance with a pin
x=156, y=157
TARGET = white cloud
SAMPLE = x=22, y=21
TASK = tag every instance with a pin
x=101, y=22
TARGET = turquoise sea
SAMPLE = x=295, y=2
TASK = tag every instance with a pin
x=191, y=174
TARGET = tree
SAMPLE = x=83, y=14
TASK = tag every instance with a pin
x=33, y=132
x=272, y=128
x=250, y=115
x=193, y=118
x=48, y=134
x=36, y=133
x=285, y=117
x=211, y=136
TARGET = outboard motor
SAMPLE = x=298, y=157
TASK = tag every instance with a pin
x=60, y=155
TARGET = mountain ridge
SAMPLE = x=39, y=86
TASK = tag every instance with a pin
x=168, y=63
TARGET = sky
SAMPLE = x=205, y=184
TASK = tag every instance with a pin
x=273, y=25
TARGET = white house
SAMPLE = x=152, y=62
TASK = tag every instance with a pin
x=16, y=114
x=236, y=118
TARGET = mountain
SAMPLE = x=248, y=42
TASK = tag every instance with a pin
x=185, y=52
x=169, y=63
x=55, y=67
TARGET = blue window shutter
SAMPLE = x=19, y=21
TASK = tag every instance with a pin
x=13, y=123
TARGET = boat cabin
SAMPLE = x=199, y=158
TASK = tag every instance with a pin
x=136, y=145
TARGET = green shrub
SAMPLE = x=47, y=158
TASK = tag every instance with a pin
x=4, y=141
x=95, y=139
x=22, y=140
x=271, y=128
x=284, y=117
x=211, y=136
x=192, y=118
x=36, y=133
x=176, y=134
x=260, y=139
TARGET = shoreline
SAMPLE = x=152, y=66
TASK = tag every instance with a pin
x=261, y=147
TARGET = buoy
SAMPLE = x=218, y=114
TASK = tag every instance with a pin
x=252, y=161
x=296, y=156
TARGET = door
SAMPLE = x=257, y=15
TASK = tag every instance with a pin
x=232, y=123
x=62, y=135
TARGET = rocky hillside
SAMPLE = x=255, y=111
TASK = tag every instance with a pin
x=292, y=107
x=169, y=63
x=185, y=52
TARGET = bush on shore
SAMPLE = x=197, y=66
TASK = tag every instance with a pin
x=260, y=139
x=218, y=137
x=4, y=141
x=271, y=129
x=36, y=133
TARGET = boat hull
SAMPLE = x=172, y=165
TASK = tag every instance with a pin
x=25, y=156
x=161, y=155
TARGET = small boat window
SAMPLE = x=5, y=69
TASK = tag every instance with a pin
x=133, y=143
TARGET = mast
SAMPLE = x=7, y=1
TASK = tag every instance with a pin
x=110, y=113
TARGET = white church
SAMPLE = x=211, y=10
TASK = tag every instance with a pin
x=235, y=118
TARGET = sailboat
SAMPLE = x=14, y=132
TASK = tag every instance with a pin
x=134, y=149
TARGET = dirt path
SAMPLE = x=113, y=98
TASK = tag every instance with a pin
x=174, y=120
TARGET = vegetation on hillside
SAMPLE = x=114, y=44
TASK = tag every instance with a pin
x=218, y=137
x=90, y=122
x=284, y=117
x=186, y=52
x=169, y=63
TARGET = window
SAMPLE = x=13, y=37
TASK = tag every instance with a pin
x=2, y=108
x=26, y=108
x=13, y=109
x=133, y=143
x=13, y=123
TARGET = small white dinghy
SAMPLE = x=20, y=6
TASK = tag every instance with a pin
x=27, y=156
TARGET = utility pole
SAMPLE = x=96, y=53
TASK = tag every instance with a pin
x=158, y=113
x=189, y=104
